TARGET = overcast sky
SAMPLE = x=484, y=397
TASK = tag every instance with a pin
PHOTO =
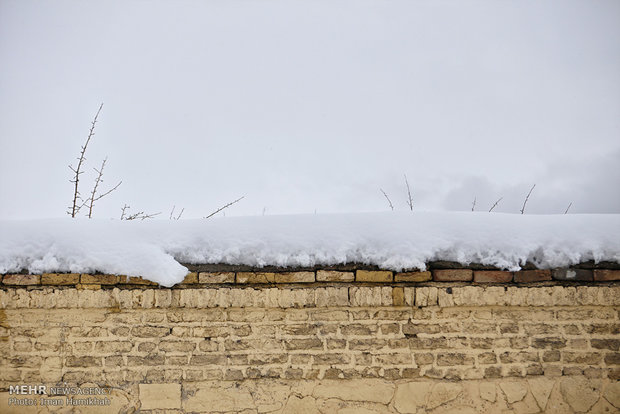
x=304, y=106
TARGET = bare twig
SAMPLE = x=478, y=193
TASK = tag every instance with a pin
x=78, y=170
x=527, y=198
x=567, y=208
x=135, y=216
x=173, y=217
x=93, y=196
x=496, y=203
x=388, y=199
x=409, y=199
x=473, y=205
x=224, y=207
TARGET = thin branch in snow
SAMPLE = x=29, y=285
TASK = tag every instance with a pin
x=74, y=209
x=568, y=208
x=135, y=216
x=496, y=203
x=93, y=196
x=527, y=198
x=388, y=199
x=173, y=217
x=409, y=199
x=225, y=206
x=473, y=205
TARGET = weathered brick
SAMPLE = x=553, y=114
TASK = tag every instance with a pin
x=572, y=274
x=176, y=346
x=310, y=343
x=376, y=276
x=416, y=328
x=454, y=359
x=394, y=359
x=334, y=276
x=113, y=347
x=151, y=360
x=452, y=275
x=553, y=342
x=398, y=296
x=98, y=279
x=256, y=277
x=60, y=279
x=83, y=361
x=612, y=344
x=529, y=276
x=208, y=360
x=22, y=280
x=590, y=358
x=606, y=275
x=413, y=276
x=299, y=329
x=295, y=277
x=331, y=359
x=136, y=280
x=219, y=277
x=612, y=358
x=358, y=329
x=492, y=276
x=487, y=358
x=150, y=331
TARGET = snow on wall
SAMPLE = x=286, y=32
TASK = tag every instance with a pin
x=393, y=240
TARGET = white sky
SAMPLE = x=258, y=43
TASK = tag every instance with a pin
x=311, y=105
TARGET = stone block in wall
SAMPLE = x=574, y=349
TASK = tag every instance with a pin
x=412, y=276
x=136, y=280
x=216, y=277
x=190, y=279
x=492, y=276
x=606, y=275
x=88, y=279
x=452, y=275
x=160, y=396
x=376, y=276
x=21, y=280
x=529, y=276
x=572, y=274
x=256, y=277
x=334, y=276
x=294, y=277
x=60, y=279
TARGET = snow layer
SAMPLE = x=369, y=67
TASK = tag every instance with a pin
x=394, y=240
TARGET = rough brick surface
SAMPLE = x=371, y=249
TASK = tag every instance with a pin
x=99, y=279
x=334, y=276
x=492, y=276
x=606, y=275
x=452, y=275
x=373, y=276
x=60, y=279
x=528, y=276
x=572, y=274
x=21, y=279
x=413, y=277
x=219, y=277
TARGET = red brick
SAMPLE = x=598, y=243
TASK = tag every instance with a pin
x=452, y=275
x=413, y=277
x=492, y=276
x=606, y=275
x=572, y=274
x=527, y=276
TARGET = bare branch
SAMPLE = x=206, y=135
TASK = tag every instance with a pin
x=173, y=217
x=496, y=203
x=527, y=198
x=410, y=200
x=93, y=196
x=388, y=199
x=568, y=208
x=473, y=205
x=78, y=170
x=139, y=215
x=224, y=207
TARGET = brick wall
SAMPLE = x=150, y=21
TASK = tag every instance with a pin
x=348, y=340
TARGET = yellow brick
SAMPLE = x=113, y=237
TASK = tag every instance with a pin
x=99, y=279
x=60, y=279
x=373, y=276
x=413, y=277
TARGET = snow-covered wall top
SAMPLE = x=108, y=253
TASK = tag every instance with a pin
x=154, y=249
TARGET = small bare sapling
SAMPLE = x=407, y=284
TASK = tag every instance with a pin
x=388, y=199
x=224, y=207
x=527, y=198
